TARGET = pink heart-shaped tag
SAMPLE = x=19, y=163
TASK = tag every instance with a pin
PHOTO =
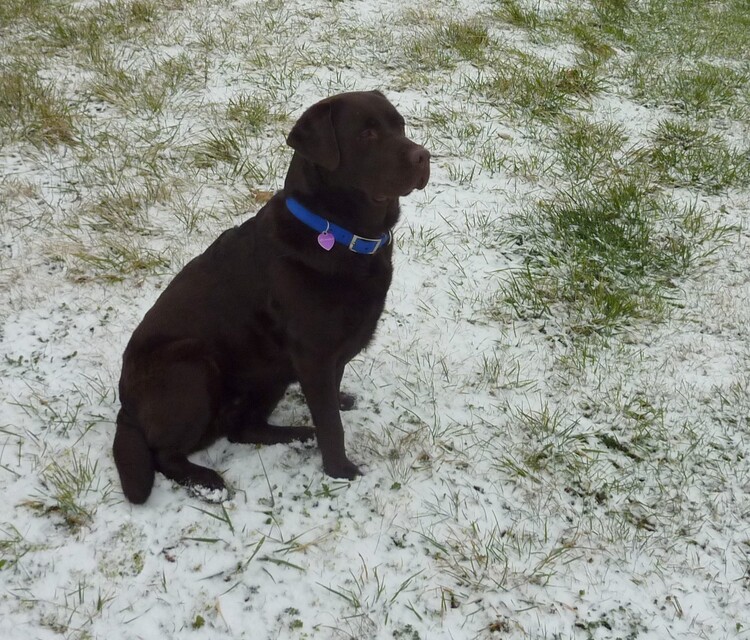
x=326, y=240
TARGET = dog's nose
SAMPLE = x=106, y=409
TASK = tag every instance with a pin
x=419, y=156
x=420, y=161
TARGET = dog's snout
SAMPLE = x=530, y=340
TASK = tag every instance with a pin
x=419, y=156
x=419, y=159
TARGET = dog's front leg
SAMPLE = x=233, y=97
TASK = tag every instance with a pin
x=319, y=379
x=347, y=400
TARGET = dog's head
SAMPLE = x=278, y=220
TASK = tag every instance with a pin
x=358, y=141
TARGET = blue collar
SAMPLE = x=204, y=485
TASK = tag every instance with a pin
x=355, y=243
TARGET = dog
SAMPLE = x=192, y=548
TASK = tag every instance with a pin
x=291, y=295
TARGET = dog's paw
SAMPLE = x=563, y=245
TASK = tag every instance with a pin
x=346, y=470
x=207, y=485
x=212, y=495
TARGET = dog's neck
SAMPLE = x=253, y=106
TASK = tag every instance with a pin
x=351, y=209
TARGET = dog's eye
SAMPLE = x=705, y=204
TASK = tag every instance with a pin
x=368, y=134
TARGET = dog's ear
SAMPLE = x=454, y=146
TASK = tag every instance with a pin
x=378, y=93
x=314, y=137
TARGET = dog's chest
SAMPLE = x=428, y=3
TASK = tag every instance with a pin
x=360, y=319
x=332, y=310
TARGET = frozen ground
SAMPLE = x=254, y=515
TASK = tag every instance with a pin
x=518, y=484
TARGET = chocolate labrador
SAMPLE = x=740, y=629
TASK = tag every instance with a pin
x=293, y=294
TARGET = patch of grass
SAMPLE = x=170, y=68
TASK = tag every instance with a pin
x=482, y=555
x=556, y=439
x=14, y=11
x=679, y=53
x=225, y=146
x=143, y=92
x=114, y=259
x=426, y=55
x=687, y=30
x=534, y=88
x=548, y=22
x=13, y=547
x=677, y=49
x=15, y=195
x=468, y=39
x=395, y=446
x=370, y=594
x=707, y=87
x=33, y=110
x=252, y=112
x=515, y=13
x=588, y=36
x=613, y=17
x=68, y=27
x=584, y=80
x=442, y=45
x=461, y=175
x=447, y=130
x=231, y=153
x=701, y=90
x=124, y=206
x=687, y=155
x=531, y=167
x=191, y=215
x=66, y=482
x=496, y=371
x=603, y=254
x=610, y=467
x=268, y=16
x=588, y=149
x=61, y=414
x=528, y=85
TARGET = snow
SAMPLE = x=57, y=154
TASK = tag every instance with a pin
x=451, y=533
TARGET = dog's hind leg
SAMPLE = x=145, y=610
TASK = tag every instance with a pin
x=271, y=434
x=175, y=466
x=177, y=410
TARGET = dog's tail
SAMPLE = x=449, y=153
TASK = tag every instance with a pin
x=133, y=459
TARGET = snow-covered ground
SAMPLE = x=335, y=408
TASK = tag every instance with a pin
x=514, y=487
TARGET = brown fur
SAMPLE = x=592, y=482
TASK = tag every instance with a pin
x=265, y=306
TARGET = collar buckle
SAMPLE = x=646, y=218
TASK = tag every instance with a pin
x=376, y=244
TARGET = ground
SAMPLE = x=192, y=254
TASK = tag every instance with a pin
x=553, y=417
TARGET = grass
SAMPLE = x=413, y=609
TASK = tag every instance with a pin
x=605, y=254
x=526, y=87
x=66, y=485
x=703, y=37
x=148, y=91
x=702, y=91
x=116, y=260
x=224, y=146
x=687, y=155
x=369, y=594
x=253, y=113
x=547, y=403
x=518, y=14
x=33, y=110
x=442, y=46
x=481, y=554
x=588, y=150
x=12, y=547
